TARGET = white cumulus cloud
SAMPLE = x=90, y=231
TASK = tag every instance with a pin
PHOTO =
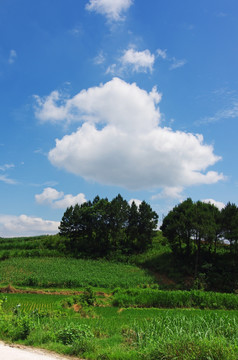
x=220, y=205
x=139, y=61
x=24, y=225
x=112, y=9
x=173, y=192
x=136, y=201
x=120, y=142
x=57, y=199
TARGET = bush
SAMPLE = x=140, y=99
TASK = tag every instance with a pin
x=72, y=333
x=20, y=327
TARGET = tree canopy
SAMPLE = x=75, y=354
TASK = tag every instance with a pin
x=102, y=226
x=196, y=230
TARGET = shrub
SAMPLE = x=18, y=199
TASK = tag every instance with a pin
x=72, y=333
x=20, y=327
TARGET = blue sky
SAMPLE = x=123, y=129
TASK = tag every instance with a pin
x=100, y=97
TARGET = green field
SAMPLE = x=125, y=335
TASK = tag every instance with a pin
x=112, y=333
x=31, y=302
x=71, y=273
x=128, y=315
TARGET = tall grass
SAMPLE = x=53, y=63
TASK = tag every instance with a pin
x=184, y=336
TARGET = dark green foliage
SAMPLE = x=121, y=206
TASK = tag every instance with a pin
x=196, y=234
x=229, y=225
x=102, y=227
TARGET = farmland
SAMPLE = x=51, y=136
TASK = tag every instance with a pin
x=68, y=273
x=109, y=310
x=117, y=333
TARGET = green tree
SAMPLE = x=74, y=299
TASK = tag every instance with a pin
x=118, y=221
x=178, y=227
x=99, y=227
x=229, y=221
x=132, y=230
x=147, y=224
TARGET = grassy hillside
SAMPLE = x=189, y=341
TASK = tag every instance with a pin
x=40, y=261
x=48, y=272
x=127, y=313
x=157, y=264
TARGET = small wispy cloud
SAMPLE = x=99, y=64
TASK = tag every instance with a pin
x=99, y=59
x=161, y=53
x=221, y=14
x=12, y=56
x=76, y=31
x=138, y=61
x=113, y=70
x=230, y=112
x=4, y=178
x=133, y=60
x=176, y=63
x=6, y=167
x=113, y=10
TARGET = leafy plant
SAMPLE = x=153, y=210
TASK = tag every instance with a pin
x=71, y=333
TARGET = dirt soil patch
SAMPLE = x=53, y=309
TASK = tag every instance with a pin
x=11, y=290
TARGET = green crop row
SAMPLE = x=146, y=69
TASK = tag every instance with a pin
x=71, y=273
x=31, y=302
x=174, y=299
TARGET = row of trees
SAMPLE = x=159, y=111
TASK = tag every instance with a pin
x=102, y=226
x=197, y=230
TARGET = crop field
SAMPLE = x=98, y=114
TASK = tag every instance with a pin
x=69, y=273
x=114, y=333
x=31, y=302
x=138, y=321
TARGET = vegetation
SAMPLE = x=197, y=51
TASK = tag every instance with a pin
x=110, y=287
x=174, y=299
x=71, y=273
x=198, y=234
x=112, y=333
x=37, y=246
x=102, y=227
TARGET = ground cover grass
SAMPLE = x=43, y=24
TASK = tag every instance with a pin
x=71, y=273
x=112, y=333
